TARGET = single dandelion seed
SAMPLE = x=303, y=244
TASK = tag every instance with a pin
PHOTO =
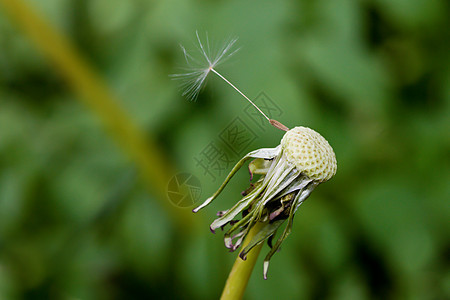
x=195, y=76
x=289, y=172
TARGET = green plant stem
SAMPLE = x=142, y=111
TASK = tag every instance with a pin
x=242, y=269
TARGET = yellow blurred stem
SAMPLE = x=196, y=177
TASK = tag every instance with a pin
x=242, y=269
x=152, y=163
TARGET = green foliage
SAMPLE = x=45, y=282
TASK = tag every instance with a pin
x=371, y=76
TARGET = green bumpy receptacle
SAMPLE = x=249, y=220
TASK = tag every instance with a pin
x=310, y=153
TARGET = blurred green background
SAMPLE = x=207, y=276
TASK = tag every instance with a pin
x=77, y=221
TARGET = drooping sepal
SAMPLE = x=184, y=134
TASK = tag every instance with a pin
x=266, y=153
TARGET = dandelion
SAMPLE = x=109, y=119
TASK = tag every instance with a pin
x=288, y=175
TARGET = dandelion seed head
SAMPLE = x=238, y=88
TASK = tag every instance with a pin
x=193, y=77
x=310, y=153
